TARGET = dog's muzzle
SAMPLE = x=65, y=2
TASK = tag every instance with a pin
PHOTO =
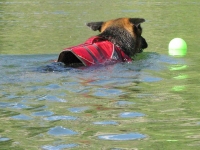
x=143, y=45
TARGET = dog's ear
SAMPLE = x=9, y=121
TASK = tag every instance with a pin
x=95, y=25
x=136, y=21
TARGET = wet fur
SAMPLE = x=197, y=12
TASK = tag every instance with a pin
x=124, y=41
x=124, y=32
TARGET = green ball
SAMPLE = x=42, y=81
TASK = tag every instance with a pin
x=177, y=47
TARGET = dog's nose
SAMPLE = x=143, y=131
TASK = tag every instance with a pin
x=143, y=43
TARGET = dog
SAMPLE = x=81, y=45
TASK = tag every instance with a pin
x=118, y=41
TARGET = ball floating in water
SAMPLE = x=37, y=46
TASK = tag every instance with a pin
x=177, y=47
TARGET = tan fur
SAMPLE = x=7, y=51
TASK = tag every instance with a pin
x=121, y=22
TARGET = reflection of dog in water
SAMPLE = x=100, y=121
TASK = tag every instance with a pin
x=119, y=40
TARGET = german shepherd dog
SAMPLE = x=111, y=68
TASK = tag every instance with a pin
x=123, y=33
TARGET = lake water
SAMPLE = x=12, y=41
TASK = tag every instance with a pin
x=151, y=103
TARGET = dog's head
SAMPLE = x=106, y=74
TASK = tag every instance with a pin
x=124, y=32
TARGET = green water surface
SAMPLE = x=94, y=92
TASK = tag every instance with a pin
x=171, y=105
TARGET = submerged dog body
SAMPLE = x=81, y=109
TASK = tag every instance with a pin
x=123, y=33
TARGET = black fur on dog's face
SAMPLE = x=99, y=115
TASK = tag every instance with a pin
x=124, y=32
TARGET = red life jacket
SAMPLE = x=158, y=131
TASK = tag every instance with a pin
x=95, y=50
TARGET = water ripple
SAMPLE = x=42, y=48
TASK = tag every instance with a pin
x=52, y=86
x=22, y=117
x=52, y=98
x=43, y=113
x=124, y=103
x=61, y=131
x=5, y=104
x=151, y=79
x=122, y=137
x=131, y=114
x=59, y=147
x=3, y=139
x=105, y=123
x=78, y=109
x=104, y=92
x=55, y=118
x=19, y=106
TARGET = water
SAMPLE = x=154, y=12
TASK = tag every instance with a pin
x=124, y=103
x=61, y=131
x=4, y=139
x=105, y=123
x=121, y=137
x=130, y=114
x=22, y=117
x=58, y=147
x=42, y=113
x=151, y=103
x=55, y=118
x=77, y=109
